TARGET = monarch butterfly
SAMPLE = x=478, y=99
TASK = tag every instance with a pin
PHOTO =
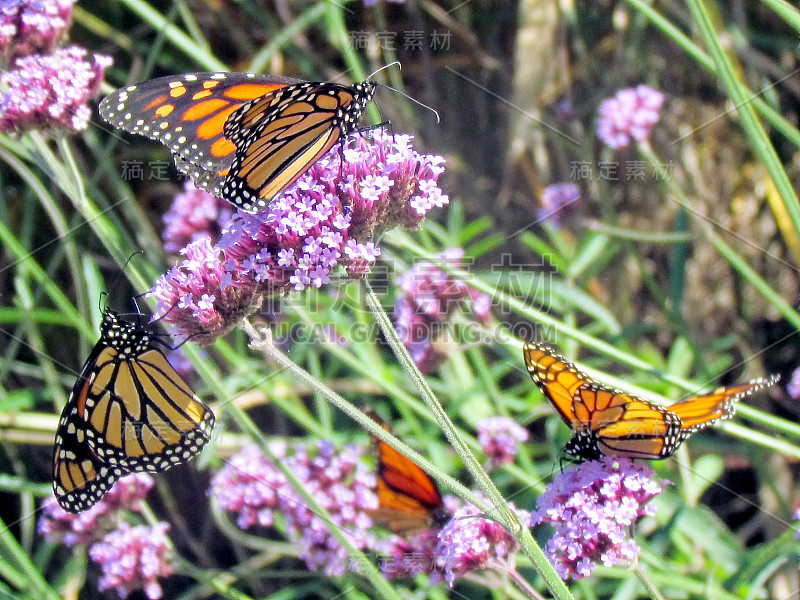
x=240, y=136
x=608, y=422
x=128, y=411
x=408, y=498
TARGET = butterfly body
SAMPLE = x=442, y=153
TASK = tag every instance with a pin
x=608, y=422
x=129, y=411
x=240, y=136
x=409, y=501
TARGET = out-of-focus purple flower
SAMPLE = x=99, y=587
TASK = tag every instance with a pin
x=630, y=114
x=471, y=543
x=430, y=297
x=51, y=91
x=499, y=437
x=194, y=214
x=322, y=222
x=401, y=557
x=793, y=388
x=796, y=515
x=32, y=26
x=252, y=486
x=592, y=507
x=132, y=558
x=557, y=200
x=57, y=525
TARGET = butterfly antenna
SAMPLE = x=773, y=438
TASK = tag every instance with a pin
x=414, y=100
x=391, y=64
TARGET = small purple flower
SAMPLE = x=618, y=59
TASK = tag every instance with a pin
x=796, y=515
x=557, y=200
x=252, y=486
x=51, y=91
x=470, y=542
x=499, y=437
x=323, y=222
x=592, y=507
x=631, y=113
x=89, y=526
x=793, y=388
x=32, y=26
x=132, y=558
x=430, y=297
x=194, y=214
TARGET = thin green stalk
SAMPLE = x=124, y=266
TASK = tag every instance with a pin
x=786, y=11
x=742, y=100
x=648, y=585
x=269, y=349
x=774, y=117
x=17, y=558
x=286, y=35
x=177, y=37
x=509, y=519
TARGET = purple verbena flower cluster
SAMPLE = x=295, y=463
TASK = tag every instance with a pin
x=48, y=86
x=470, y=542
x=630, y=114
x=592, y=507
x=499, y=436
x=557, y=200
x=31, y=26
x=253, y=487
x=50, y=91
x=194, y=214
x=324, y=221
x=430, y=296
x=132, y=558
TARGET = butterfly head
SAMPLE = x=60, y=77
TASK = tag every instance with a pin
x=126, y=338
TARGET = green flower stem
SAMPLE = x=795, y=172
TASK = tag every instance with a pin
x=269, y=349
x=219, y=582
x=16, y=565
x=507, y=518
x=177, y=37
x=742, y=100
x=648, y=585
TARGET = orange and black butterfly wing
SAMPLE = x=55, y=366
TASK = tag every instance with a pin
x=80, y=477
x=129, y=411
x=408, y=498
x=278, y=137
x=558, y=379
x=701, y=411
x=187, y=113
x=625, y=425
x=604, y=421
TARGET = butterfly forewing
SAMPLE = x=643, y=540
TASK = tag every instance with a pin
x=187, y=113
x=408, y=498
